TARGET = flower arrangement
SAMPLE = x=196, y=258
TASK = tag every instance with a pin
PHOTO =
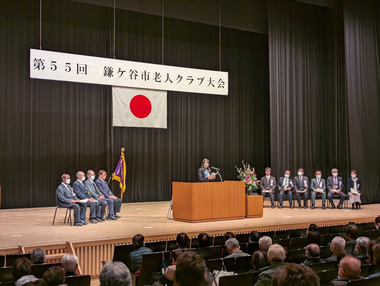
x=248, y=175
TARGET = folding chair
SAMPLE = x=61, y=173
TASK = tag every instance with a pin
x=151, y=263
x=10, y=258
x=243, y=264
x=211, y=252
x=319, y=267
x=38, y=270
x=326, y=276
x=298, y=243
x=241, y=280
x=78, y=280
x=68, y=218
x=365, y=282
x=121, y=253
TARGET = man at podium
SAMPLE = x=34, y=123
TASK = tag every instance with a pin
x=204, y=172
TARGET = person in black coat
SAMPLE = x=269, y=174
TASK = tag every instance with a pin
x=204, y=172
x=356, y=184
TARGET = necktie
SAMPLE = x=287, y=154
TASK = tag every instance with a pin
x=318, y=182
x=335, y=183
x=286, y=183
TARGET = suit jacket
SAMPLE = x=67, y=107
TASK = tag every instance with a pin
x=281, y=182
x=330, y=183
x=350, y=184
x=80, y=190
x=314, y=184
x=237, y=253
x=64, y=196
x=103, y=188
x=202, y=176
x=268, y=184
x=301, y=186
x=93, y=189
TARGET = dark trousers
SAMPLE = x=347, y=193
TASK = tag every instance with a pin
x=270, y=194
x=94, y=206
x=302, y=196
x=341, y=197
x=111, y=209
x=281, y=196
x=79, y=212
x=315, y=195
x=102, y=208
x=117, y=205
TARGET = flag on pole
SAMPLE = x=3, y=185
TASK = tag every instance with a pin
x=120, y=172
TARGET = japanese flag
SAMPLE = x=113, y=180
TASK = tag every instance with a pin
x=133, y=107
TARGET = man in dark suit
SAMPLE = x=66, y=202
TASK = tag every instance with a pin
x=268, y=185
x=335, y=186
x=312, y=253
x=92, y=188
x=83, y=194
x=301, y=185
x=67, y=199
x=285, y=185
x=317, y=185
x=106, y=191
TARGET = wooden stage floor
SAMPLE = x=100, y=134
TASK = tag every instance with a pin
x=32, y=226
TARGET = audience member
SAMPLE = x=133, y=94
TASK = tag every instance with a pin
x=204, y=240
x=294, y=233
x=352, y=233
x=115, y=274
x=376, y=259
x=254, y=236
x=168, y=277
x=233, y=248
x=361, y=248
x=313, y=237
x=312, y=227
x=377, y=223
x=137, y=254
x=27, y=279
x=340, y=256
x=107, y=193
x=337, y=246
x=276, y=257
x=191, y=270
x=21, y=267
x=70, y=263
x=182, y=240
x=228, y=235
x=258, y=261
x=293, y=274
x=55, y=275
x=349, y=269
x=312, y=253
x=264, y=243
x=38, y=256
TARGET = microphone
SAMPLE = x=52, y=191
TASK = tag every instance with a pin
x=217, y=169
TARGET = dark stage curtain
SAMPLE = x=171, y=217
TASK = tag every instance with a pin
x=49, y=128
x=362, y=43
x=307, y=98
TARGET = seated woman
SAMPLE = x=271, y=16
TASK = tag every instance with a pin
x=204, y=172
x=354, y=183
x=137, y=254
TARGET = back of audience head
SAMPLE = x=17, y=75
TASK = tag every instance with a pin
x=376, y=254
x=182, y=240
x=352, y=231
x=191, y=270
x=293, y=274
x=38, y=256
x=313, y=251
x=254, y=236
x=314, y=237
x=264, y=243
x=204, y=240
x=70, y=262
x=21, y=267
x=232, y=245
x=276, y=254
x=361, y=244
x=229, y=235
x=294, y=233
x=377, y=222
x=174, y=254
x=337, y=244
x=258, y=260
x=312, y=227
x=138, y=241
x=341, y=255
x=370, y=252
x=349, y=267
x=115, y=274
x=55, y=275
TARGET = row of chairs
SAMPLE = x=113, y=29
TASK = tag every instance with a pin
x=9, y=259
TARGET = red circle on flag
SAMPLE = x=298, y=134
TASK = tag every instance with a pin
x=140, y=106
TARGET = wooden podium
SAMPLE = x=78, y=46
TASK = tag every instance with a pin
x=254, y=206
x=199, y=202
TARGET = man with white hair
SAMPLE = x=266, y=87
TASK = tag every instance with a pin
x=337, y=246
x=233, y=248
x=115, y=273
x=361, y=248
x=276, y=257
x=264, y=243
x=349, y=269
x=70, y=263
x=335, y=186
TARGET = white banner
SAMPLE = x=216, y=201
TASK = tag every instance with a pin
x=77, y=68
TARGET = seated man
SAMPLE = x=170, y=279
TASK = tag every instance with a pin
x=97, y=195
x=318, y=188
x=335, y=186
x=254, y=236
x=83, y=194
x=182, y=240
x=233, y=248
x=349, y=269
x=137, y=254
x=191, y=270
x=352, y=233
x=337, y=247
x=312, y=253
x=294, y=274
x=264, y=243
x=285, y=186
x=276, y=257
x=67, y=199
x=70, y=263
x=38, y=256
x=106, y=191
x=268, y=185
x=115, y=273
x=301, y=186
x=204, y=240
x=361, y=248
x=168, y=277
